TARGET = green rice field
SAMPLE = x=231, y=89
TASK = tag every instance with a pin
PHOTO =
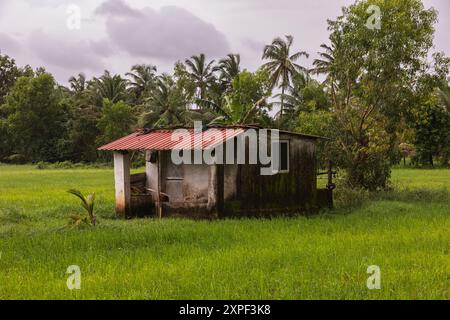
x=405, y=232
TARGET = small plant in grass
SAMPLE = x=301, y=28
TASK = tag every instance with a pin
x=88, y=204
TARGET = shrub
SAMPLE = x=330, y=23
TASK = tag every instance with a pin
x=346, y=197
x=16, y=159
x=88, y=204
x=41, y=165
x=69, y=165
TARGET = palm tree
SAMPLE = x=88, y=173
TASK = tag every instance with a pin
x=112, y=87
x=165, y=105
x=78, y=84
x=81, y=90
x=293, y=97
x=282, y=65
x=238, y=106
x=142, y=80
x=232, y=112
x=229, y=68
x=87, y=203
x=324, y=65
x=202, y=73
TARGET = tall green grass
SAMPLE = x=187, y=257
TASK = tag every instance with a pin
x=406, y=233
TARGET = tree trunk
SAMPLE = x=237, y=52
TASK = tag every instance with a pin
x=333, y=95
x=282, y=106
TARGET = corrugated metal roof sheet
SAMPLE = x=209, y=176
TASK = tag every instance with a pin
x=167, y=140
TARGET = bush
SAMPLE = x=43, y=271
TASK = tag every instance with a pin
x=16, y=159
x=347, y=198
x=70, y=165
x=41, y=165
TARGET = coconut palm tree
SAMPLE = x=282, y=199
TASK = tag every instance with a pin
x=202, y=73
x=231, y=112
x=239, y=106
x=81, y=90
x=87, y=203
x=229, y=68
x=165, y=105
x=142, y=80
x=112, y=87
x=324, y=65
x=293, y=97
x=282, y=65
x=78, y=84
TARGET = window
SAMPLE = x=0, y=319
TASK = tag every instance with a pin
x=284, y=156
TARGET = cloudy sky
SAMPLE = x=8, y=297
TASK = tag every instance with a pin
x=116, y=34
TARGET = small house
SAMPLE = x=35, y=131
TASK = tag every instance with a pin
x=212, y=172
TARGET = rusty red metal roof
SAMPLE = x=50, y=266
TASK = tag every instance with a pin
x=174, y=139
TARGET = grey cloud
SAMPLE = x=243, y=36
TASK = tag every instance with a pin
x=72, y=55
x=2, y=7
x=167, y=34
x=253, y=45
x=102, y=48
x=49, y=3
x=8, y=44
x=133, y=35
x=116, y=8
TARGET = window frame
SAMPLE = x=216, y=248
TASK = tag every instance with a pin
x=287, y=142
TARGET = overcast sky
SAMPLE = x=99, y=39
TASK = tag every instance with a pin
x=116, y=34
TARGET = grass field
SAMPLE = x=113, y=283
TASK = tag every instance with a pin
x=406, y=233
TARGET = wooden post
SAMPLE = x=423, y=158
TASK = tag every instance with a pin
x=122, y=184
x=216, y=189
x=158, y=186
x=153, y=173
x=330, y=173
x=330, y=186
x=220, y=190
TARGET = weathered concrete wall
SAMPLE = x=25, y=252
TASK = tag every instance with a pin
x=195, y=185
x=186, y=185
x=192, y=180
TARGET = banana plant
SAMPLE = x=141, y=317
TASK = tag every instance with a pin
x=88, y=204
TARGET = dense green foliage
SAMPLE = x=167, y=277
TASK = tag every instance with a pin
x=115, y=121
x=381, y=92
x=326, y=257
x=432, y=130
x=376, y=78
x=34, y=118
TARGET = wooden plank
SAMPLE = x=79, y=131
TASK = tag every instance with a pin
x=138, y=178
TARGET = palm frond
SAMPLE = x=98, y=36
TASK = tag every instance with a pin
x=87, y=203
